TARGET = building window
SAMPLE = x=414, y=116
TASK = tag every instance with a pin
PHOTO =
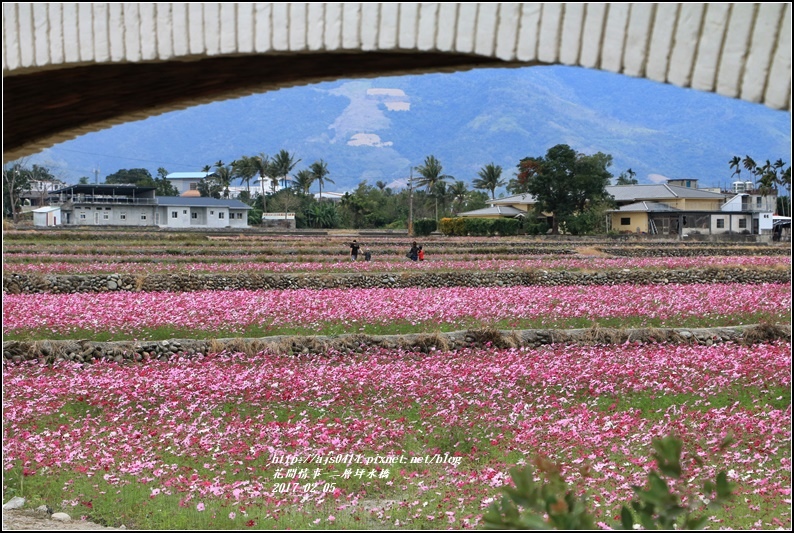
x=143, y=217
x=194, y=186
x=720, y=223
x=220, y=214
x=184, y=211
x=212, y=212
x=194, y=215
x=82, y=216
x=174, y=214
x=625, y=221
x=742, y=223
x=123, y=216
x=758, y=201
x=106, y=216
x=240, y=216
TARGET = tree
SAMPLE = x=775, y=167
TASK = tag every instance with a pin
x=527, y=169
x=490, y=179
x=261, y=165
x=224, y=175
x=163, y=187
x=459, y=192
x=304, y=180
x=83, y=181
x=627, y=178
x=134, y=176
x=319, y=170
x=16, y=181
x=281, y=165
x=767, y=177
x=244, y=169
x=430, y=174
x=564, y=182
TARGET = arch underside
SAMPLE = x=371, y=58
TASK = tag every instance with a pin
x=74, y=68
x=44, y=108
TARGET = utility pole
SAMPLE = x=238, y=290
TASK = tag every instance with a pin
x=96, y=175
x=411, y=203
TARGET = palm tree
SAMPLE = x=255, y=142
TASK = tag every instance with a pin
x=430, y=174
x=244, y=169
x=282, y=164
x=490, y=178
x=750, y=165
x=304, y=180
x=261, y=165
x=319, y=170
x=224, y=175
x=459, y=192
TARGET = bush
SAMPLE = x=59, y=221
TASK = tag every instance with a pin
x=424, y=227
x=505, y=226
x=553, y=504
x=453, y=226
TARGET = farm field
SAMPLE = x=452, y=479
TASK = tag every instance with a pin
x=390, y=438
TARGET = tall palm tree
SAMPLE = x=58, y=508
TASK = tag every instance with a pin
x=261, y=165
x=319, y=170
x=430, y=174
x=244, y=169
x=459, y=192
x=282, y=164
x=750, y=164
x=304, y=180
x=224, y=174
x=735, y=163
x=490, y=178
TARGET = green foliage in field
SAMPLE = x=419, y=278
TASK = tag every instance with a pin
x=552, y=503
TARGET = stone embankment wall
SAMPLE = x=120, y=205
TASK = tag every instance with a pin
x=130, y=352
x=23, y=283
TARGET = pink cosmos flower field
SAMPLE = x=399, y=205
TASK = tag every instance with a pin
x=210, y=439
x=131, y=313
x=163, y=263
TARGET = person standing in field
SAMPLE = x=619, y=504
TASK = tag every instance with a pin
x=354, y=248
x=413, y=253
x=421, y=254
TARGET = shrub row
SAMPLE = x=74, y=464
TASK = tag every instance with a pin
x=460, y=226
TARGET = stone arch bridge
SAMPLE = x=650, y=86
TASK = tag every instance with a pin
x=73, y=68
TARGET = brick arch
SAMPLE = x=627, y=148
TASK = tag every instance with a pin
x=69, y=69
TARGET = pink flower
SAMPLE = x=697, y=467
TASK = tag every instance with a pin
x=200, y=506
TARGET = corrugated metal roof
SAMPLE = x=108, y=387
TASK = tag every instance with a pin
x=186, y=201
x=497, y=210
x=187, y=175
x=629, y=193
x=515, y=199
x=645, y=207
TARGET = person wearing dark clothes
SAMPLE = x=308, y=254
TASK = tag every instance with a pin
x=413, y=253
x=354, y=248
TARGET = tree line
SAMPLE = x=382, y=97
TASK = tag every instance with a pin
x=569, y=189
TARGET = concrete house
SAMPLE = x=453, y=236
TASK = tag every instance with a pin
x=128, y=205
